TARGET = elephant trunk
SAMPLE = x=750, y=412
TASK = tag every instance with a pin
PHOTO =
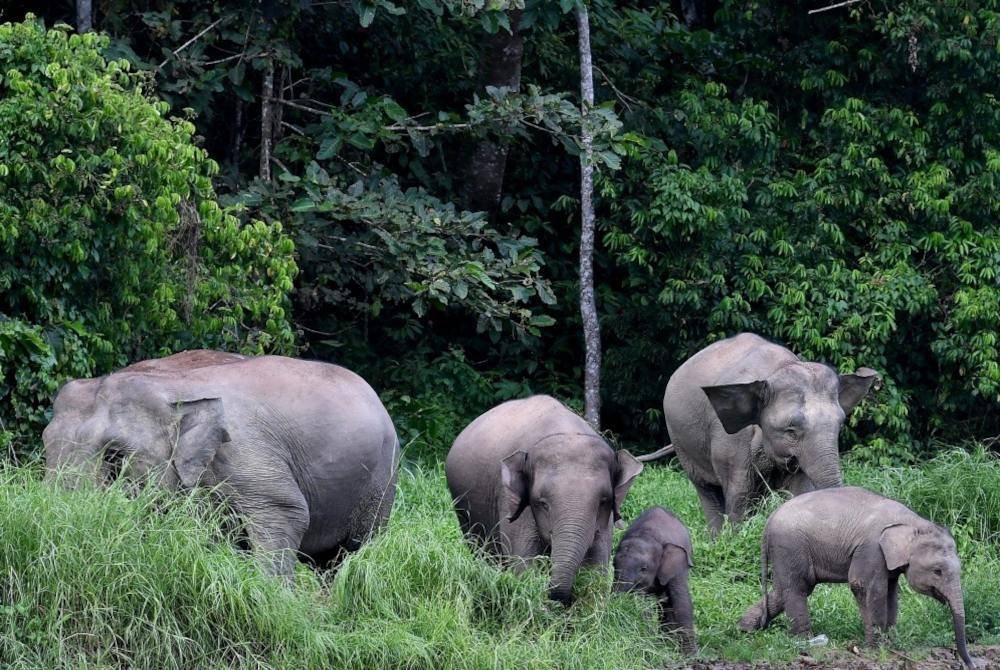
x=821, y=465
x=953, y=598
x=569, y=546
x=71, y=467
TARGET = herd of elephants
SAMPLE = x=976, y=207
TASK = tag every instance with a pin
x=306, y=454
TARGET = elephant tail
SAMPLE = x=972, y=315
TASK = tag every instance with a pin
x=658, y=454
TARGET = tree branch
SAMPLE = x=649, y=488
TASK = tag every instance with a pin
x=189, y=43
x=829, y=7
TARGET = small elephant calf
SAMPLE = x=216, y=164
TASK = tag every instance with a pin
x=852, y=535
x=654, y=556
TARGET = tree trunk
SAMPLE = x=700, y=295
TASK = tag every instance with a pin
x=84, y=16
x=588, y=304
x=237, y=139
x=266, y=124
x=501, y=57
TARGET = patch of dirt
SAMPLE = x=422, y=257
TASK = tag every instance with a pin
x=985, y=658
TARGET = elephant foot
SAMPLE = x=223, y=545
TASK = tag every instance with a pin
x=753, y=619
x=876, y=639
x=689, y=647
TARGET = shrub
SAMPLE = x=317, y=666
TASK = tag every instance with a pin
x=112, y=244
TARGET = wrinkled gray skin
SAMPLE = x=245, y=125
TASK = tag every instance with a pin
x=852, y=535
x=744, y=411
x=654, y=556
x=304, y=451
x=529, y=477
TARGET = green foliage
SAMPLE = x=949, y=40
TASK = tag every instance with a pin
x=432, y=403
x=374, y=251
x=111, y=578
x=112, y=244
x=826, y=180
x=836, y=193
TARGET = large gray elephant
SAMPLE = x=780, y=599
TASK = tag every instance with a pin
x=304, y=451
x=745, y=414
x=529, y=477
x=852, y=535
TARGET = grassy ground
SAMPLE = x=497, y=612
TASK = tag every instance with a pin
x=96, y=579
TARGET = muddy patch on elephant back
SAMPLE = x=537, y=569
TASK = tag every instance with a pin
x=986, y=658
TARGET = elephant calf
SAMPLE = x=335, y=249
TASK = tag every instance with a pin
x=303, y=450
x=530, y=477
x=853, y=535
x=654, y=556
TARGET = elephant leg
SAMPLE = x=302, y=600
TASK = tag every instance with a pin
x=599, y=552
x=523, y=545
x=713, y=505
x=737, y=494
x=679, y=614
x=858, y=590
x=872, y=595
x=276, y=534
x=276, y=517
x=892, y=602
x=796, y=601
x=877, y=602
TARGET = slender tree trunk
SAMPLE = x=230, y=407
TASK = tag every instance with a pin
x=237, y=139
x=588, y=304
x=266, y=123
x=501, y=58
x=84, y=16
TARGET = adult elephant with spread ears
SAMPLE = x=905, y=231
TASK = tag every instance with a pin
x=745, y=414
x=304, y=451
x=529, y=477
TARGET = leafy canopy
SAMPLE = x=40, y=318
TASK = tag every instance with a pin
x=112, y=244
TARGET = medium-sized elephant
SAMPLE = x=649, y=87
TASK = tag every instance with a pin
x=304, y=451
x=529, y=477
x=745, y=414
x=852, y=535
x=654, y=556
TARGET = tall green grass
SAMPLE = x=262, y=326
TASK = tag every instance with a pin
x=105, y=579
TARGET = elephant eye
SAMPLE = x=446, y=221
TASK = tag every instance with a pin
x=544, y=504
x=937, y=571
x=642, y=568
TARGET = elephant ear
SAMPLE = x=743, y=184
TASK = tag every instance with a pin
x=514, y=474
x=671, y=560
x=628, y=468
x=201, y=431
x=738, y=405
x=853, y=388
x=895, y=542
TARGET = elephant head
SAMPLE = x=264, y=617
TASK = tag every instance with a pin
x=101, y=429
x=799, y=410
x=929, y=559
x=643, y=564
x=574, y=491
